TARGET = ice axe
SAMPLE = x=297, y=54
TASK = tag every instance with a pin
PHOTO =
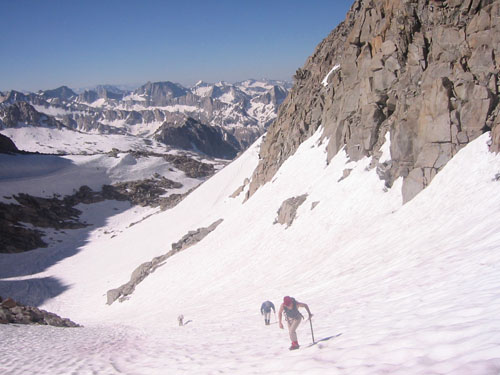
x=312, y=332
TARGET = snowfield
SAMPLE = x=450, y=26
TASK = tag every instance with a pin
x=64, y=141
x=46, y=175
x=410, y=290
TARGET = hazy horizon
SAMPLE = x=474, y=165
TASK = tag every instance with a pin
x=135, y=85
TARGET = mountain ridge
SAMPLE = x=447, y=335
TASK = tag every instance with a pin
x=241, y=111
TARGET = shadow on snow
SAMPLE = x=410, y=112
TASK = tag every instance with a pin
x=34, y=291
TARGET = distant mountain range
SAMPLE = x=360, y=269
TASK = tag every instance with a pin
x=219, y=120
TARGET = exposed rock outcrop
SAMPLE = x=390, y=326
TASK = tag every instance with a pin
x=425, y=71
x=140, y=273
x=23, y=113
x=240, y=189
x=146, y=192
x=192, y=135
x=21, y=223
x=274, y=96
x=160, y=93
x=288, y=210
x=15, y=312
x=16, y=236
x=101, y=92
x=7, y=146
x=190, y=166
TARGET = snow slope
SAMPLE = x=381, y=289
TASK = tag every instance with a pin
x=46, y=175
x=410, y=289
x=64, y=141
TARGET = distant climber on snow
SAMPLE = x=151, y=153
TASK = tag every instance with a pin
x=293, y=317
x=265, y=309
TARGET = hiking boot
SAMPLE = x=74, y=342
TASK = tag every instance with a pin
x=295, y=345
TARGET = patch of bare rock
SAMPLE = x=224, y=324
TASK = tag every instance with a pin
x=12, y=312
x=21, y=223
x=288, y=210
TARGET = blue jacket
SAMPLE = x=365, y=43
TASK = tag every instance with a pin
x=266, y=307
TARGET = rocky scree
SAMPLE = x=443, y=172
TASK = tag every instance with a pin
x=16, y=313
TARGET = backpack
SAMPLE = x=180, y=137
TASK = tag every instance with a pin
x=294, y=312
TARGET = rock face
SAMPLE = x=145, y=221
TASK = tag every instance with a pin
x=274, y=96
x=101, y=92
x=424, y=71
x=23, y=113
x=193, y=135
x=14, y=312
x=160, y=93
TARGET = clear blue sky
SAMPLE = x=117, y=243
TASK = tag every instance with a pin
x=45, y=44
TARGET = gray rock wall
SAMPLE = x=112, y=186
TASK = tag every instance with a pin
x=24, y=113
x=425, y=71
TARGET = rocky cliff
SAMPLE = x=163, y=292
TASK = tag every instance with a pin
x=422, y=72
x=24, y=113
x=190, y=134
